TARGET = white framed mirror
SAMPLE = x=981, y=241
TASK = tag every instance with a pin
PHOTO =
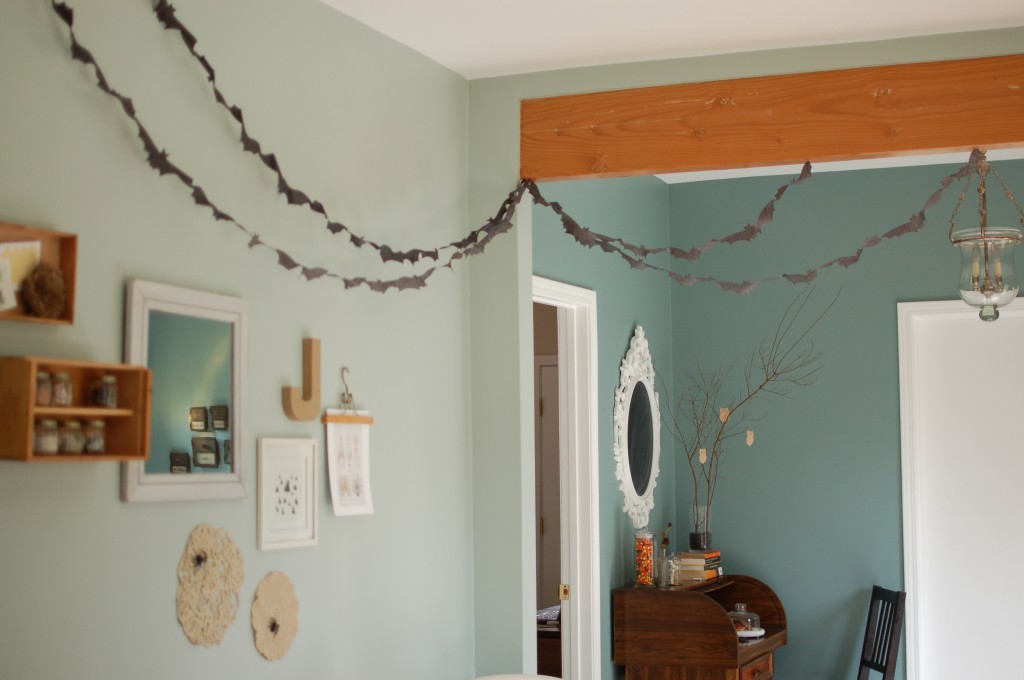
x=195, y=343
x=637, y=430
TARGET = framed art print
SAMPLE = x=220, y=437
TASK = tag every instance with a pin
x=7, y=297
x=219, y=417
x=287, y=511
x=197, y=419
x=204, y=452
x=181, y=463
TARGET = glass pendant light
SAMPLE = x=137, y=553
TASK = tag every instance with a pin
x=988, y=279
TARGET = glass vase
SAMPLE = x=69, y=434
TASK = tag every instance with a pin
x=661, y=567
x=700, y=527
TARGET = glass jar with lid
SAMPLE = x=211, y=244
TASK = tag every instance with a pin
x=744, y=621
x=643, y=548
x=46, y=439
x=94, y=435
x=44, y=389
x=62, y=389
x=104, y=391
x=71, y=438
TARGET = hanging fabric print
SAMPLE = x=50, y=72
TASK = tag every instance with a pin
x=348, y=461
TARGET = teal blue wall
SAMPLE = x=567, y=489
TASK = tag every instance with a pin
x=814, y=507
x=191, y=362
x=500, y=291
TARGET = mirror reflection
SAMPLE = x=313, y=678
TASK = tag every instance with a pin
x=640, y=438
x=195, y=344
x=191, y=362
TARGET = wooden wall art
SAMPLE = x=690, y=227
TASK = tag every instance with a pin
x=304, y=404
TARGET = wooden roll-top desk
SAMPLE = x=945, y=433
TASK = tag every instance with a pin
x=685, y=633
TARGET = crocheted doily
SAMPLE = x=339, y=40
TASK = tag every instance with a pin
x=210, y=575
x=275, y=615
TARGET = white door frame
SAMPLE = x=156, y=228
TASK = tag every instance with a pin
x=577, y=405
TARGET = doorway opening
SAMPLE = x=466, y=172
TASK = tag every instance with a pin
x=575, y=368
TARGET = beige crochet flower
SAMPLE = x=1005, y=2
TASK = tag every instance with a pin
x=210, y=576
x=275, y=615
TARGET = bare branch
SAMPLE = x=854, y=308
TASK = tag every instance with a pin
x=700, y=419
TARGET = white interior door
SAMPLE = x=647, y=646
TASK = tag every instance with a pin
x=963, y=468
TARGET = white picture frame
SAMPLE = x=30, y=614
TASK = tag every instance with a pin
x=287, y=493
x=348, y=461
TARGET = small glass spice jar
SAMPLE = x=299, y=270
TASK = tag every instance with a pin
x=104, y=391
x=94, y=434
x=62, y=389
x=46, y=439
x=71, y=438
x=44, y=389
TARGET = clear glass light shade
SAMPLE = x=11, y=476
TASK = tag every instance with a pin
x=988, y=279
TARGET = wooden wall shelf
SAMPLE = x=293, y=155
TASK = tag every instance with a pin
x=57, y=248
x=127, y=426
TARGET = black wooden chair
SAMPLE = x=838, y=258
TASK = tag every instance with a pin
x=882, y=636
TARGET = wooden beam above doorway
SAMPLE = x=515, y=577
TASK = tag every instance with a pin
x=851, y=114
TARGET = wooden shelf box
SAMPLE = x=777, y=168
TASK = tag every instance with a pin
x=56, y=248
x=127, y=426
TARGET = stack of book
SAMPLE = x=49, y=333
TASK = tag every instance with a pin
x=694, y=566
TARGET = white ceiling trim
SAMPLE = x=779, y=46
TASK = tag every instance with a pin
x=839, y=166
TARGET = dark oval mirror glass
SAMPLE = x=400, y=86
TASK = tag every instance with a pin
x=640, y=437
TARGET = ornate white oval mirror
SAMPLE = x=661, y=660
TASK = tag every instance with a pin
x=195, y=344
x=637, y=430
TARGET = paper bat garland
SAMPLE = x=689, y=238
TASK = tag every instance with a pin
x=476, y=241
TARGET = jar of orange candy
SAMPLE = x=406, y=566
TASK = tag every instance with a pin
x=644, y=552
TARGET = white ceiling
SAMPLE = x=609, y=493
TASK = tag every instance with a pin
x=483, y=38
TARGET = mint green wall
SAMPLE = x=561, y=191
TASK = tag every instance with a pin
x=379, y=134
x=500, y=288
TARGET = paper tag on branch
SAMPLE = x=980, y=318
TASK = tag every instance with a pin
x=723, y=413
x=750, y=437
x=703, y=456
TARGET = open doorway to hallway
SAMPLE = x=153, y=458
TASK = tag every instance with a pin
x=579, y=634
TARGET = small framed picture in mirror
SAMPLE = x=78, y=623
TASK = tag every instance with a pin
x=197, y=419
x=181, y=463
x=204, y=452
x=228, y=458
x=219, y=417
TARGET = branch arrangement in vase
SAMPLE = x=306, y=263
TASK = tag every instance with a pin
x=703, y=420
